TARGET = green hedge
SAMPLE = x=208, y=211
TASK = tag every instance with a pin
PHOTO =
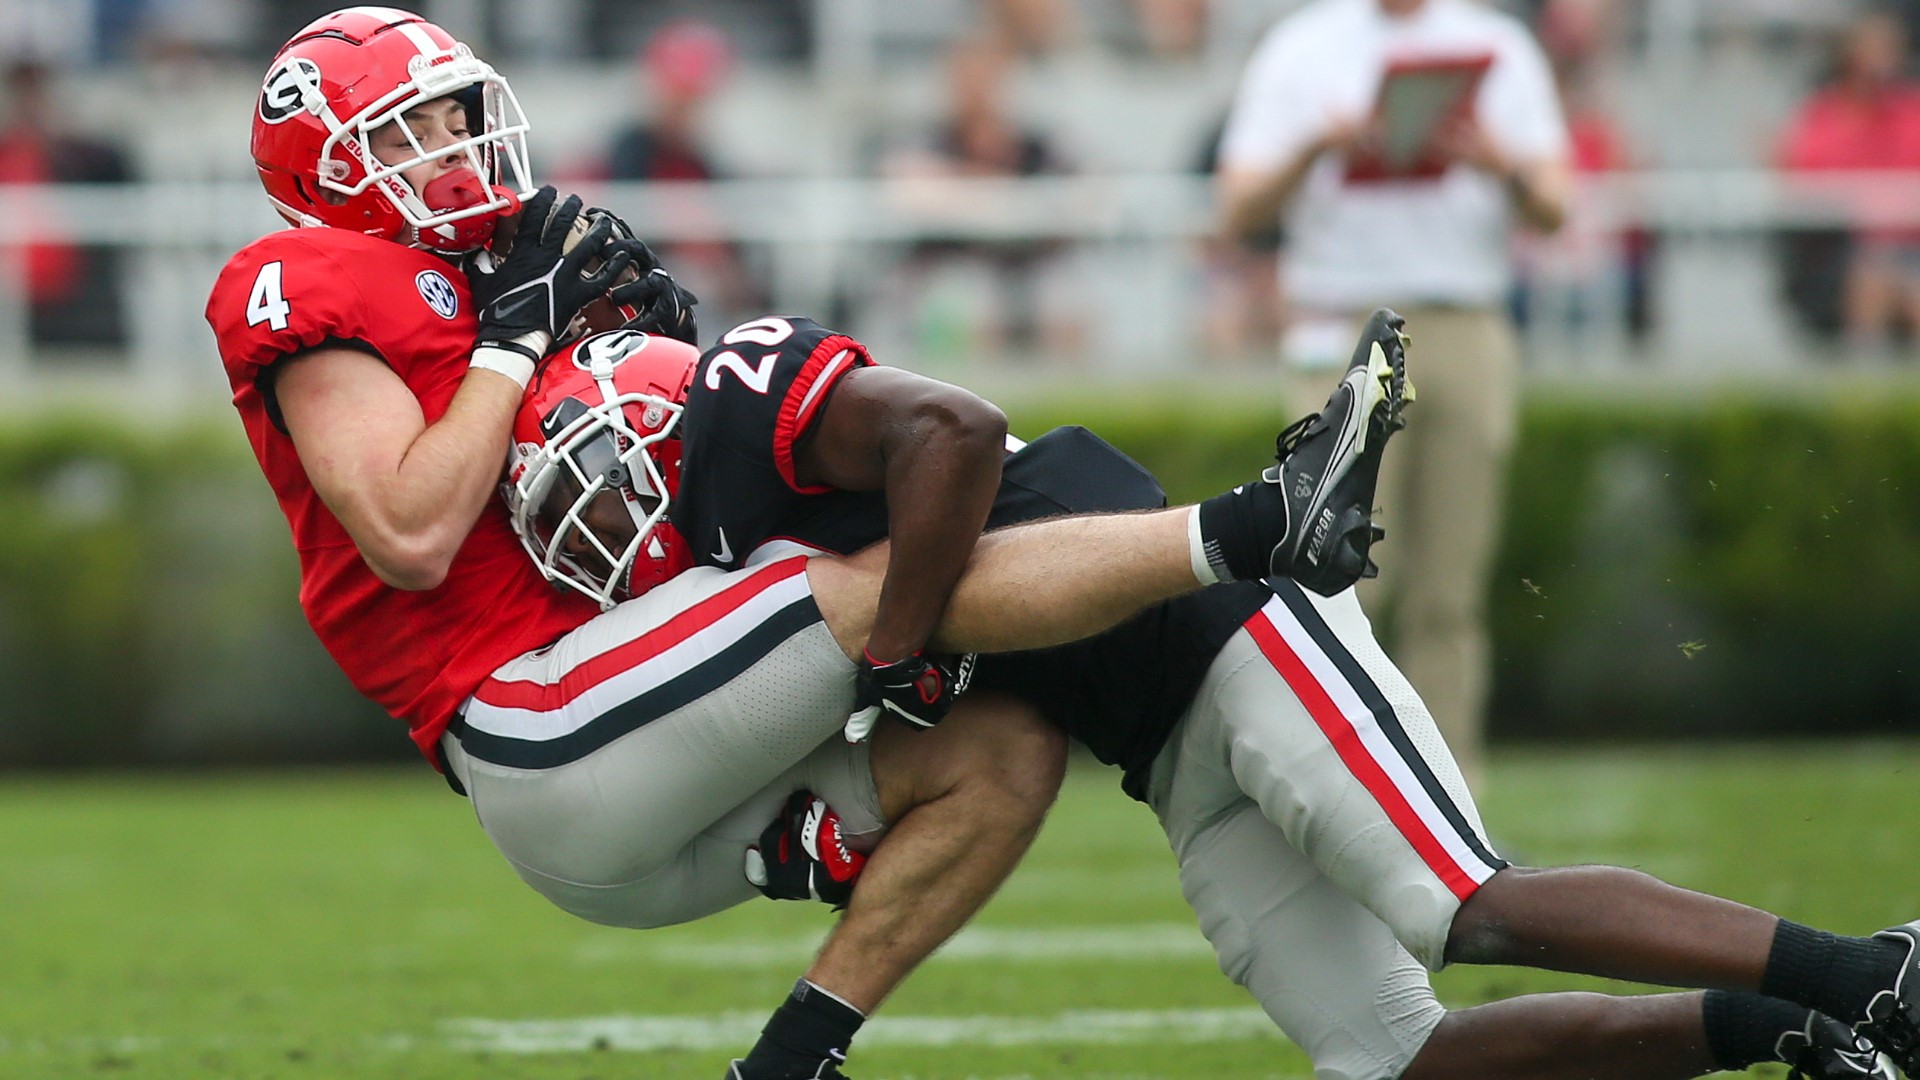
x=1674, y=566
x=1726, y=565
x=149, y=605
x=1745, y=566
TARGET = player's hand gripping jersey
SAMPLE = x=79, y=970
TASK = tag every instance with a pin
x=418, y=654
x=759, y=392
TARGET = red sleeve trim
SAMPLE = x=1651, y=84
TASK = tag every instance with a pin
x=831, y=359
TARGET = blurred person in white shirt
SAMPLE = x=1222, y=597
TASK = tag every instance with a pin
x=1435, y=247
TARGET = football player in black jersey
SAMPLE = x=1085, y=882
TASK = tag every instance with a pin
x=630, y=802
x=1325, y=837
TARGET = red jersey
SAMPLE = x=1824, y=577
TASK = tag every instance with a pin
x=418, y=654
x=1837, y=130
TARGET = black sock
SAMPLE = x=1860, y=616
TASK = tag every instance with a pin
x=1835, y=974
x=1744, y=1029
x=809, y=1027
x=1230, y=538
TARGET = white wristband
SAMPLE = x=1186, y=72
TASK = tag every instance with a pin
x=516, y=359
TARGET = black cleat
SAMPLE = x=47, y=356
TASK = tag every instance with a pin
x=1329, y=464
x=1827, y=1049
x=826, y=1070
x=1893, y=1015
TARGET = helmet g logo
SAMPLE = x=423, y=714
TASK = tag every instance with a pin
x=612, y=349
x=284, y=95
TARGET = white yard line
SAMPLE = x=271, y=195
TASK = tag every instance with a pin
x=1127, y=943
x=736, y=1029
x=729, y=1030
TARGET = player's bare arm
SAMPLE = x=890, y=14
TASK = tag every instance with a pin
x=935, y=450
x=408, y=493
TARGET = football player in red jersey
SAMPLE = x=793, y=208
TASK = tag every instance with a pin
x=378, y=388
x=375, y=386
x=1323, y=833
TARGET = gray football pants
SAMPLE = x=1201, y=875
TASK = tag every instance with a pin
x=624, y=770
x=1324, y=835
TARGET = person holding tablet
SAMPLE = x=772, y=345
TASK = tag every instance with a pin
x=1400, y=141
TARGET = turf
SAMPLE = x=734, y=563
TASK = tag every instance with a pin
x=356, y=924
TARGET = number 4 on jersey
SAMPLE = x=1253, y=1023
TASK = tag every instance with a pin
x=265, y=304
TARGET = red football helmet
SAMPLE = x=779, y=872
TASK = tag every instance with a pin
x=596, y=462
x=347, y=74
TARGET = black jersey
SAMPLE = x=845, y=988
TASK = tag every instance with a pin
x=756, y=395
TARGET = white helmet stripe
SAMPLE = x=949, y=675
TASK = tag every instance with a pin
x=375, y=12
x=421, y=41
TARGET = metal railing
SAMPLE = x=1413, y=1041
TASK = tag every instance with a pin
x=1133, y=243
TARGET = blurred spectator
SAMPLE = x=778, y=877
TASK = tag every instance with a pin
x=680, y=69
x=1241, y=307
x=1016, y=294
x=53, y=31
x=1167, y=29
x=181, y=36
x=73, y=291
x=1033, y=26
x=1588, y=282
x=1866, y=120
x=1171, y=28
x=1429, y=238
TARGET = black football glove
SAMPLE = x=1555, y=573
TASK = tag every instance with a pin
x=919, y=690
x=661, y=306
x=801, y=856
x=540, y=285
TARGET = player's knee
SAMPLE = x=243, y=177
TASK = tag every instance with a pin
x=1033, y=779
x=1480, y=932
x=1487, y=928
x=1015, y=761
x=846, y=589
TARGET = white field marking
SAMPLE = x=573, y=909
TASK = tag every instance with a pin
x=1127, y=944
x=731, y=1030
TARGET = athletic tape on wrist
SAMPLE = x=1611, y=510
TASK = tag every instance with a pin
x=509, y=362
x=1204, y=570
x=516, y=358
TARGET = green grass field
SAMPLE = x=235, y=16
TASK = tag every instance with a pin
x=326, y=924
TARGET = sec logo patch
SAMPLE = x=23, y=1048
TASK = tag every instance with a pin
x=438, y=292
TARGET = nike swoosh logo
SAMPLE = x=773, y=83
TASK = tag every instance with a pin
x=725, y=554
x=1351, y=436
